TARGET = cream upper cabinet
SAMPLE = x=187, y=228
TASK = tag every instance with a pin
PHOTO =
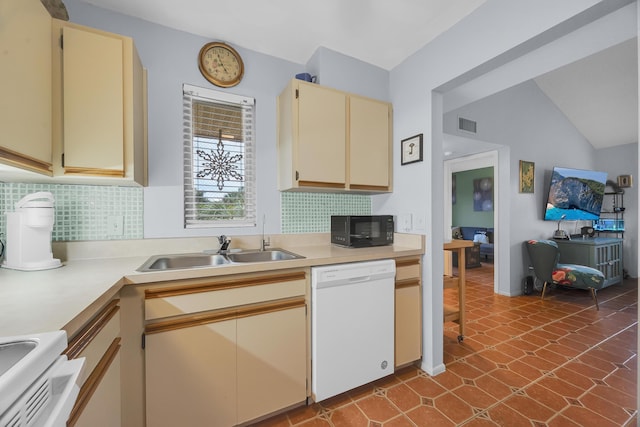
x=93, y=113
x=369, y=147
x=312, y=137
x=332, y=140
x=25, y=85
x=98, y=115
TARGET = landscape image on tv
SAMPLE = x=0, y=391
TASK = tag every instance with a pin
x=577, y=194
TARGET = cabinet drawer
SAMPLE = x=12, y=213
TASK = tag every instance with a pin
x=178, y=300
x=408, y=268
x=93, y=341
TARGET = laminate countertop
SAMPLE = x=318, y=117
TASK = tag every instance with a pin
x=94, y=272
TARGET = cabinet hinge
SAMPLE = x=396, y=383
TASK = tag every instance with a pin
x=143, y=341
x=297, y=175
x=297, y=93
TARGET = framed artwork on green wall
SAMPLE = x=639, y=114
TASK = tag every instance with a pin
x=483, y=194
x=527, y=174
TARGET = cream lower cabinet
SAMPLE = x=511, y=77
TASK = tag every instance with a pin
x=98, y=115
x=225, y=352
x=99, y=400
x=332, y=140
x=191, y=375
x=25, y=85
x=408, y=327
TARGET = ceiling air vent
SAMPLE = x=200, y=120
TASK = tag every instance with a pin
x=466, y=125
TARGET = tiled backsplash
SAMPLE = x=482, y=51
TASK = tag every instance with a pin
x=311, y=212
x=82, y=212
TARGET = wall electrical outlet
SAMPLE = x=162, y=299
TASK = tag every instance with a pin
x=419, y=223
x=115, y=226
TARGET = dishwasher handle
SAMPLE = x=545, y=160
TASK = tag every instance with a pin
x=359, y=279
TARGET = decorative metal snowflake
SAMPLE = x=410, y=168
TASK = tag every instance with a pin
x=220, y=165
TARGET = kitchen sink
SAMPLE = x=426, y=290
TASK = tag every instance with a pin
x=172, y=262
x=262, y=256
x=199, y=260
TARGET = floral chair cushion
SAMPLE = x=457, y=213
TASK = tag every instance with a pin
x=578, y=276
x=544, y=255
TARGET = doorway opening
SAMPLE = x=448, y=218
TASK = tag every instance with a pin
x=483, y=162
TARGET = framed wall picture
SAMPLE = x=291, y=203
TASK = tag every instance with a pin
x=625, y=181
x=483, y=194
x=527, y=175
x=411, y=150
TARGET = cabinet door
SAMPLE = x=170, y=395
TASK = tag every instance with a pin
x=271, y=362
x=369, y=144
x=608, y=259
x=408, y=327
x=25, y=85
x=103, y=409
x=321, y=147
x=191, y=376
x=93, y=103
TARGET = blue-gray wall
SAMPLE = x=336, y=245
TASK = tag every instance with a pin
x=170, y=57
x=489, y=39
x=505, y=36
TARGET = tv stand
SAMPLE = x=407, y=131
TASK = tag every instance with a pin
x=602, y=253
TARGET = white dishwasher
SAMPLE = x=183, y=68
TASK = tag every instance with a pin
x=352, y=325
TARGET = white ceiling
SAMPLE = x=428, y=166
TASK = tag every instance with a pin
x=599, y=94
x=379, y=32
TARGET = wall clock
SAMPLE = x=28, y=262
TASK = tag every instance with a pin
x=220, y=64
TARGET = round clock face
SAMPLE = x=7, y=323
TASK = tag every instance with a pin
x=220, y=64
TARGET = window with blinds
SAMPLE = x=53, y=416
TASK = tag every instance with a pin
x=219, y=160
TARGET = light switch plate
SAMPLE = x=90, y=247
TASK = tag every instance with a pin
x=115, y=226
x=404, y=222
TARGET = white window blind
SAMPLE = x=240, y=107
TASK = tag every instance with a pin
x=219, y=160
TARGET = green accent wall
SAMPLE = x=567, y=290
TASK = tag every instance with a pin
x=463, y=213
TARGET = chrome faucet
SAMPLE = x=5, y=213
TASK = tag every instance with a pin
x=264, y=242
x=224, y=244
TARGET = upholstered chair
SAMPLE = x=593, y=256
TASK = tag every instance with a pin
x=544, y=256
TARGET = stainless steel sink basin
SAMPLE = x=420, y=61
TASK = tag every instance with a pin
x=263, y=256
x=172, y=262
x=12, y=352
x=199, y=260
x=23, y=359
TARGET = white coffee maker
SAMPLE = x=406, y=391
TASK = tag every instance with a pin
x=29, y=234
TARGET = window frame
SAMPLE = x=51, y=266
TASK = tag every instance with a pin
x=190, y=188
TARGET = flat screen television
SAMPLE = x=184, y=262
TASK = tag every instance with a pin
x=575, y=194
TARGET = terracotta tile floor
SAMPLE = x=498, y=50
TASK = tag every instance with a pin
x=523, y=362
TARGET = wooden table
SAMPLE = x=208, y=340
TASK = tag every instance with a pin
x=456, y=313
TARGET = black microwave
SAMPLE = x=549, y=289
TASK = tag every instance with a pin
x=361, y=231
